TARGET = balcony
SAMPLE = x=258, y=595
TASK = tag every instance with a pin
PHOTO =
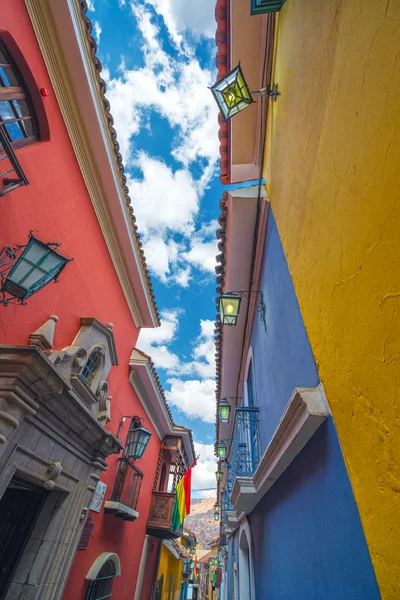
x=245, y=458
x=11, y=173
x=125, y=492
x=160, y=516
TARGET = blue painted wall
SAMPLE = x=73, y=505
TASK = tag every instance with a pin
x=283, y=358
x=308, y=542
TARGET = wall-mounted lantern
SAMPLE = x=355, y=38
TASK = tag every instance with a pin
x=232, y=94
x=137, y=439
x=192, y=550
x=221, y=450
x=229, y=305
x=219, y=475
x=217, y=512
x=22, y=274
x=224, y=410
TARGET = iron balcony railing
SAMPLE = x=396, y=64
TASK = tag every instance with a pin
x=245, y=446
x=127, y=483
x=11, y=173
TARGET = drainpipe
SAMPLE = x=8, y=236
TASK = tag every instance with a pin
x=142, y=568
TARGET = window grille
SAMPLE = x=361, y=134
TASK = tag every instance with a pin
x=91, y=366
x=101, y=587
x=16, y=112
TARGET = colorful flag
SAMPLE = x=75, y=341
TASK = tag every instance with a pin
x=181, y=508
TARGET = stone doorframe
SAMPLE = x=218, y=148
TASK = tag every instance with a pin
x=48, y=437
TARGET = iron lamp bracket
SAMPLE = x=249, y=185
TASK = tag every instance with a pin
x=260, y=308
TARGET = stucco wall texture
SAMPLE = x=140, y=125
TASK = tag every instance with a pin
x=309, y=520
x=332, y=173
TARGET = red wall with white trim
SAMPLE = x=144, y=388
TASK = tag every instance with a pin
x=56, y=206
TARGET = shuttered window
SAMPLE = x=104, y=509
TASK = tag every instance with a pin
x=16, y=111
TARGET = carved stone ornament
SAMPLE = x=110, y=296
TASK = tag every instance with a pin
x=54, y=470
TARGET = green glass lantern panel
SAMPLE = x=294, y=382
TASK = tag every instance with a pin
x=219, y=475
x=259, y=7
x=229, y=306
x=232, y=93
x=224, y=410
x=221, y=450
x=138, y=438
x=216, y=512
x=38, y=264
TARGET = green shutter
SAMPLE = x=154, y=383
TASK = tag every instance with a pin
x=259, y=7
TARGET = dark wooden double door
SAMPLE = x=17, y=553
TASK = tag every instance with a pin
x=19, y=508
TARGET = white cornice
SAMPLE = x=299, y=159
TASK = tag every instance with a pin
x=306, y=410
x=60, y=31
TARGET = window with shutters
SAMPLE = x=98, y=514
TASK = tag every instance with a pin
x=16, y=111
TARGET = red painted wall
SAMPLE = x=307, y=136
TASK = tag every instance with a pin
x=56, y=207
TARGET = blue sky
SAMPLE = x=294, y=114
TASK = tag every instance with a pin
x=158, y=58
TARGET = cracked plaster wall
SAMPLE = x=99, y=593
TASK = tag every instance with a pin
x=333, y=177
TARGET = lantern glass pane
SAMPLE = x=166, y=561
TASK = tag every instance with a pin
x=232, y=93
x=137, y=442
x=37, y=266
x=229, y=306
x=221, y=450
x=224, y=410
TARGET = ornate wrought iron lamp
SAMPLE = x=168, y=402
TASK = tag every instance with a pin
x=232, y=93
x=192, y=550
x=22, y=274
x=221, y=450
x=229, y=306
x=137, y=438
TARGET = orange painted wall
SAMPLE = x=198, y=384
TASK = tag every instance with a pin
x=56, y=206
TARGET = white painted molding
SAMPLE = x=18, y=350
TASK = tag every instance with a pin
x=307, y=409
x=100, y=561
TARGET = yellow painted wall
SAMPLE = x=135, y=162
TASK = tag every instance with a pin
x=333, y=177
x=169, y=565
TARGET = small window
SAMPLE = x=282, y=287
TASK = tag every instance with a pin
x=16, y=112
x=101, y=587
x=91, y=366
x=250, y=385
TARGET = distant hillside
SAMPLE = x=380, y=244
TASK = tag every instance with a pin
x=201, y=520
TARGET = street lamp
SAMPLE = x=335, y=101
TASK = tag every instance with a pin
x=219, y=475
x=229, y=305
x=217, y=512
x=224, y=410
x=221, y=450
x=192, y=550
x=137, y=439
x=232, y=94
x=24, y=275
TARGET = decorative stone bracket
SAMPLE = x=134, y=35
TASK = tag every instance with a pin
x=53, y=470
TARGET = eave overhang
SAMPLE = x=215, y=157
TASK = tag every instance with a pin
x=64, y=35
x=147, y=386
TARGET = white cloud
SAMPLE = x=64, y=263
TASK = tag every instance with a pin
x=90, y=5
x=203, y=250
x=154, y=342
x=163, y=200
x=97, y=31
x=195, y=398
x=203, y=475
x=181, y=16
x=121, y=3
x=166, y=200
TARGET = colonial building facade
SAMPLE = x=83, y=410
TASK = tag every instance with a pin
x=328, y=153
x=85, y=431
